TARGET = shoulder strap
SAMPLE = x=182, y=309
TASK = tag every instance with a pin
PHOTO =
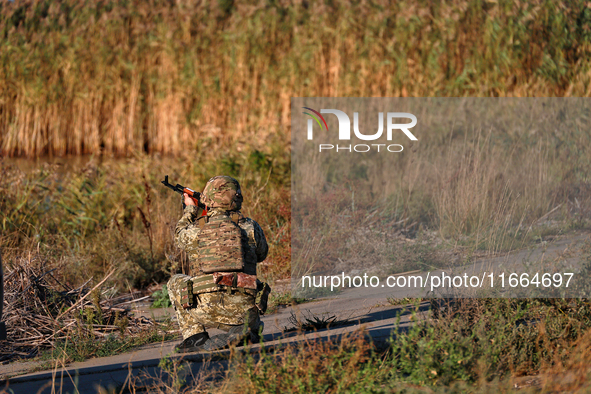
x=235, y=216
x=202, y=220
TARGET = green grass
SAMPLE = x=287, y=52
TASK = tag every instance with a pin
x=473, y=345
x=479, y=346
x=282, y=300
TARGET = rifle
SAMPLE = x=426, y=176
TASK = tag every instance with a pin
x=195, y=196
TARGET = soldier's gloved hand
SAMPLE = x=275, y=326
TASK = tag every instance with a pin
x=188, y=200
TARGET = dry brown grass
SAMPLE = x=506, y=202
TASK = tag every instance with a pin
x=161, y=76
x=41, y=314
x=487, y=176
x=115, y=214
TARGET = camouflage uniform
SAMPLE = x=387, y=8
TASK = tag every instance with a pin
x=217, y=309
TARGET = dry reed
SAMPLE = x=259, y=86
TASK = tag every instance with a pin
x=41, y=311
x=159, y=76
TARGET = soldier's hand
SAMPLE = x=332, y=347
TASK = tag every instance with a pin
x=188, y=200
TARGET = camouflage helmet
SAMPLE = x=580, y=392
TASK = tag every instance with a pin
x=222, y=192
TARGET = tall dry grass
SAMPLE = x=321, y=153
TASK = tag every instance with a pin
x=116, y=214
x=490, y=175
x=160, y=76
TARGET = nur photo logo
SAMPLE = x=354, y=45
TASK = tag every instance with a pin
x=344, y=130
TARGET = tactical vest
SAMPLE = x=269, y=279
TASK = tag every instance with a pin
x=221, y=245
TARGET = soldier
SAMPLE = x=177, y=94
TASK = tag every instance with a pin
x=223, y=248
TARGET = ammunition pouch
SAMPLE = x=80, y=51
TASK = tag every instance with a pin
x=187, y=296
x=216, y=282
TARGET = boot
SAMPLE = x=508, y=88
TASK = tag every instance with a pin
x=193, y=343
x=255, y=335
x=235, y=335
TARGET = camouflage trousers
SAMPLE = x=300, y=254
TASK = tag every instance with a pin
x=213, y=310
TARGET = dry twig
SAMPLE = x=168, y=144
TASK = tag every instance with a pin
x=40, y=311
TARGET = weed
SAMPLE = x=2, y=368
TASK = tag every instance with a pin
x=83, y=346
x=285, y=299
x=161, y=298
x=459, y=195
x=404, y=301
x=476, y=346
x=332, y=366
x=175, y=370
x=281, y=300
x=311, y=322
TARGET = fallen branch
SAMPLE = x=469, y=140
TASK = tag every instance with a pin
x=39, y=311
x=87, y=294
